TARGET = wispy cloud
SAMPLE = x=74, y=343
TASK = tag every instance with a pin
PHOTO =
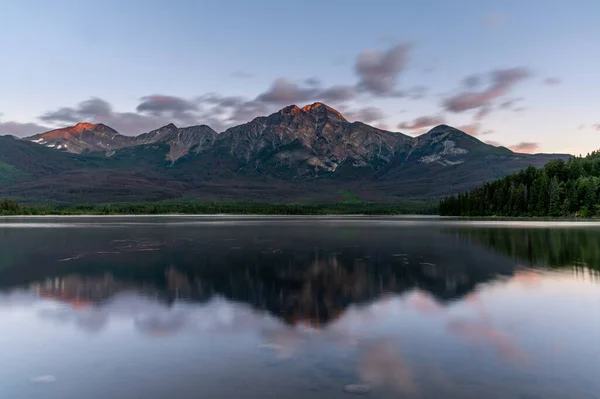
x=525, y=147
x=422, y=122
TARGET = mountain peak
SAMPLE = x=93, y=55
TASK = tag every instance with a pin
x=319, y=107
x=441, y=129
x=290, y=109
x=85, y=125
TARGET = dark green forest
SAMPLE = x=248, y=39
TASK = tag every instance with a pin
x=351, y=207
x=559, y=189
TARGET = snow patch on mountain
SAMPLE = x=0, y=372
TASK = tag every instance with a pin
x=450, y=149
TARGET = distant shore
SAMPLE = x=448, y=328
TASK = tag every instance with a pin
x=193, y=207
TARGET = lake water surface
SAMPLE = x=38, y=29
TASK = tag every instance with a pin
x=224, y=307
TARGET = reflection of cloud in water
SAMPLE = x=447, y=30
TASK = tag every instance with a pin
x=148, y=316
x=528, y=278
x=160, y=325
x=484, y=332
x=383, y=365
x=424, y=303
x=90, y=320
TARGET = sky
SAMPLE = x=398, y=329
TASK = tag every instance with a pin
x=523, y=74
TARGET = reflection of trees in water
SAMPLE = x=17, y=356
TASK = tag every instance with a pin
x=556, y=247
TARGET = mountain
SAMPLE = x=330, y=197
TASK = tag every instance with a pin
x=87, y=137
x=83, y=137
x=296, y=154
x=310, y=141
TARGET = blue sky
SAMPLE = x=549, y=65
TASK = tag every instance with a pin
x=519, y=73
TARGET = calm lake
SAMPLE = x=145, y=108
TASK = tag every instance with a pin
x=228, y=307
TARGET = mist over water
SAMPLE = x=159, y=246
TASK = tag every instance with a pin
x=222, y=307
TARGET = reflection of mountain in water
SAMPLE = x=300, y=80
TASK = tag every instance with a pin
x=296, y=272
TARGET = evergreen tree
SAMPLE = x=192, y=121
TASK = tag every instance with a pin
x=558, y=189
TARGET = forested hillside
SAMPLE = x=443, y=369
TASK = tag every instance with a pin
x=558, y=189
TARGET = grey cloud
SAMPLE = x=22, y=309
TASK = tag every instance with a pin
x=519, y=109
x=483, y=112
x=21, y=129
x=597, y=127
x=286, y=91
x=224, y=101
x=161, y=105
x=422, y=122
x=378, y=71
x=501, y=81
x=93, y=109
x=247, y=111
x=510, y=103
x=61, y=115
x=314, y=82
x=553, y=81
x=337, y=94
x=99, y=111
x=366, y=115
x=525, y=146
x=472, y=81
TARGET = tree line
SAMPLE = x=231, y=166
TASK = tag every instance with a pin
x=9, y=207
x=558, y=189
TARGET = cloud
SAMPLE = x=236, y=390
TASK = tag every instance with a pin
x=501, y=82
x=581, y=127
x=383, y=365
x=21, y=129
x=314, y=82
x=336, y=94
x=553, y=81
x=422, y=122
x=217, y=111
x=161, y=105
x=241, y=75
x=472, y=81
x=286, y=91
x=378, y=71
x=425, y=304
x=519, y=109
x=157, y=111
x=485, y=333
x=100, y=111
x=366, y=115
x=525, y=147
x=473, y=129
x=510, y=103
x=597, y=127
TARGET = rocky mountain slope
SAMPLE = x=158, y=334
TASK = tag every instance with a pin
x=308, y=153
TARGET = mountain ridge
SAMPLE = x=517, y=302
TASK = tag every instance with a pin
x=311, y=153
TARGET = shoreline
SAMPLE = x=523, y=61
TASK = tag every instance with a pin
x=15, y=220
